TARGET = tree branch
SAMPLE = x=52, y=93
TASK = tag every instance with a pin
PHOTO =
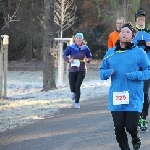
x=11, y=19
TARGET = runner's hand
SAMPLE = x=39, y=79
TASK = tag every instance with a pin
x=71, y=60
x=148, y=44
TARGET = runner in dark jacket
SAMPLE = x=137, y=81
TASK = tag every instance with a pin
x=79, y=55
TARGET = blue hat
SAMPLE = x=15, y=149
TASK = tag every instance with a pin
x=79, y=34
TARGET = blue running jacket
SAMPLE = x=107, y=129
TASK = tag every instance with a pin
x=130, y=67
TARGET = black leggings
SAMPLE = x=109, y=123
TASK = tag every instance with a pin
x=146, y=99
x=75, y=81
x=125, y=121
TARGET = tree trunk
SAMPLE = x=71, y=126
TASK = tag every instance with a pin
x=48, y=70
x=28, y=55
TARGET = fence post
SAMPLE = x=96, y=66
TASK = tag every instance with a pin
x=60, y=64
x=1, y=67
x=5, y=42
x=60, y=59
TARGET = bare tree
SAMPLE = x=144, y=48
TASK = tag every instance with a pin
x=125, y=8
x=29, y=31
x=8, y=19
x=129, y=8
x=48, y=24
x=65, y=14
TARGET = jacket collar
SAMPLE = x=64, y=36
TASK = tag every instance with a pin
x=128, y=47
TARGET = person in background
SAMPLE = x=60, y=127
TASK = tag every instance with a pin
x=142, y=40
x=113, y=36
x=77, y=55
x=127, y=66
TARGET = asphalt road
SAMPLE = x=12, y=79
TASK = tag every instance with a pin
x=87, y=128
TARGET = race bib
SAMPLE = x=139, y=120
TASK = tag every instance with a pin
x=76, y=62
x=120, y=98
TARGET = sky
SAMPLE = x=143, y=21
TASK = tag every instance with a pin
x=25, y=102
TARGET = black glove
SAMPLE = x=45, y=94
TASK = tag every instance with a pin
x=141, y=43
x=147, y=48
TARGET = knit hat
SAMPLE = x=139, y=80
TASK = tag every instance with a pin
x=138, y=13
x=79, y=34
x=127, y=25
x=130, y=27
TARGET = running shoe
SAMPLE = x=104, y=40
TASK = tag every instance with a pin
x=144, y=125
x=136, y=142
x=76, y=105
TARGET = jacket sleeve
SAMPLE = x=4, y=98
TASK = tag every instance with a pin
x=110, y=44
x=67, y=52
x=105, y=71
x=88, y=55
x=145, y=73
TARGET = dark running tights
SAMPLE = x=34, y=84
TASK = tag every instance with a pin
x=146, y=99
x=75, y=82
x=125, y=121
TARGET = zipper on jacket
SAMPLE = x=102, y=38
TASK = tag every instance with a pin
x=79, y=57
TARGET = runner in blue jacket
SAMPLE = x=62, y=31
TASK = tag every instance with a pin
x=127, y=66
x=142, y=40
